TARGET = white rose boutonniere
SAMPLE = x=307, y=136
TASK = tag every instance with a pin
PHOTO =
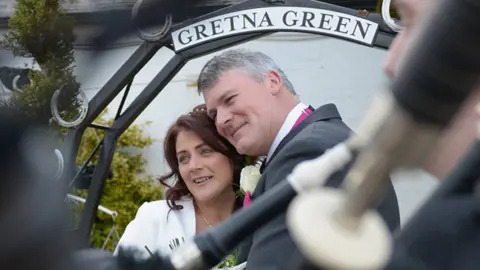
x=249, y=178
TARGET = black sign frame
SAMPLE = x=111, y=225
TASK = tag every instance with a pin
x=381, y=38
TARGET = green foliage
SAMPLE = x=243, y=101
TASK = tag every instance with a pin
x=34, y=99
x=41, y=30
x=127, y=190
x=239, y=193
x=229, y=261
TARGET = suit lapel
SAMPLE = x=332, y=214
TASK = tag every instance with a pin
x=325, y=112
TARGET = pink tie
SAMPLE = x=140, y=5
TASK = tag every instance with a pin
x=305, y=113
x=247, y=200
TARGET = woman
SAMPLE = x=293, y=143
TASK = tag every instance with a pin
x=207, y=172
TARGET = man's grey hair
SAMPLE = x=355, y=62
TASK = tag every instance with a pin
x=255, y=64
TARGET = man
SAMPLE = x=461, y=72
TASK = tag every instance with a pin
x=256, y=108
x=460, y=135
x=447, y=234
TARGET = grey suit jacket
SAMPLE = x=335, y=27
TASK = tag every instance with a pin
x=271, y=247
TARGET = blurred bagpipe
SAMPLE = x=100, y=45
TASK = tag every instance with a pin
x=333, y=228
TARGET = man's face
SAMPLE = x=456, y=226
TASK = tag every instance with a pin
x=242, y=110
x=410, y=12
x=456, y=140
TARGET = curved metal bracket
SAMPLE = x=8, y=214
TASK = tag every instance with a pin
x=56, y=115
x=15, y=83
x=387, y=18
x=157, y=35
x=61, y=164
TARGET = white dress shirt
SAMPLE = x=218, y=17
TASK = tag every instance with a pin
x=287, y=126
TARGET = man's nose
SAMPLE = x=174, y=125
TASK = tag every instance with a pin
x=393, y=56
x=390, y=65
x=389, y=69
x=223, y=118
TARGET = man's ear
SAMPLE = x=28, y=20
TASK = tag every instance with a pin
x=273, y=81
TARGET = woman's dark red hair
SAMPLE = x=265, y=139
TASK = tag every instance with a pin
x=199, y=122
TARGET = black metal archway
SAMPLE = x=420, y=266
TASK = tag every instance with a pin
x=190, y=39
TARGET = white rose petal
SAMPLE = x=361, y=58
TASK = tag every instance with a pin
x=249, y=178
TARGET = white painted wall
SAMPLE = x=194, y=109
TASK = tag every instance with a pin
x=322, y=70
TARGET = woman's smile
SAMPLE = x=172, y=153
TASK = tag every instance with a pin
x=202, y=180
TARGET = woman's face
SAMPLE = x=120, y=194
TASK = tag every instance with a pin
x=207, y=173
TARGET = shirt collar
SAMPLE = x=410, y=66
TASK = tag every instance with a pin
x=287, y=126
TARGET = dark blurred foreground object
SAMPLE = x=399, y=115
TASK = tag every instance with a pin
x=33, y=214
x=447, y=237
x=445, y=232
x=31, y=203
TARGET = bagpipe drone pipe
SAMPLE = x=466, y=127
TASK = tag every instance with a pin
x=436, y=78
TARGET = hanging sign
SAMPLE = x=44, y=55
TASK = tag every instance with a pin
x=297, y=19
